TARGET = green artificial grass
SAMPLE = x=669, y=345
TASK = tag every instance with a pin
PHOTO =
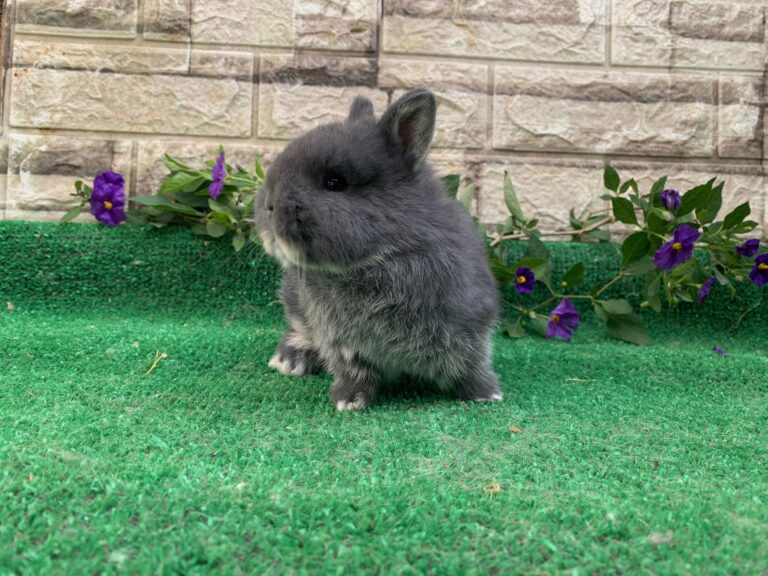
x=603, y=457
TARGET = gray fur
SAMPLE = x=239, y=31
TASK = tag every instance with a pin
x=387, y=277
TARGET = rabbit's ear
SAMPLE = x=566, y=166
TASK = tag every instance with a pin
x=361, y=108
x=410, y=124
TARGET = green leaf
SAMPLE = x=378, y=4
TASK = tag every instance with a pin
x=616, y=307
x=745, y=227
x=163, y=203
x=713, y=204
x=574, y=276
x=516, y=330
x=199, y=228
x=258, y=168
x=663, y=214
x=640, y=267
x=629, y=184
x=695, y=199
x=621, y=321
x=656, y=224
x=135, y=217
x=181, y=181
x=575, y=222
x=190, y=199
x=737, y=215
x=498, y=269
x=536, y=249
x=634, y=247
x=253, y=236
x=658, y=187
x=653, y=290
x=510, y=198
x=451, y=184
x=71, y=214
x=623, y=211
x=465, y=197
x=214, y=229
x=80, y=191
x=611, y=178
x=539, y=324
x=238, y=241
x=629, y=328
x=601, y=235
x=222, y=208
x=175, y=165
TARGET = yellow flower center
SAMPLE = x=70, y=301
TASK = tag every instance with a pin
x=555, y=318
x=762, y=266
x=108, y=205
x=677, y=246
x=521, y=279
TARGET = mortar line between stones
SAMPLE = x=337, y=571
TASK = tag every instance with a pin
x=608, y=32
x=255, y=96
x=139, y=19
x=491, y=92
x=135, y=170
x=246, y=48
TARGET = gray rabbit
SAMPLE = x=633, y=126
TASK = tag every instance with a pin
x=384, y=274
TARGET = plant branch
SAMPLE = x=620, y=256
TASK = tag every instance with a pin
x=571, y=232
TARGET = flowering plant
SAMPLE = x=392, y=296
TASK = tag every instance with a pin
x=213, y=201
x=668, y=227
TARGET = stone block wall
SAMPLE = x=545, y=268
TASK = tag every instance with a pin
x=548, y=91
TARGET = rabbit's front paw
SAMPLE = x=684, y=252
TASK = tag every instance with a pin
x=353, y=394
x=480, y=386
x=358, y=402
x=295, y=356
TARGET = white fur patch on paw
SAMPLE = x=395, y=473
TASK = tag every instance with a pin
x=284, y=367
x=493, y=398
x=345, y=405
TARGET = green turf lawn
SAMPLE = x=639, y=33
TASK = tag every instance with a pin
x=627, y=459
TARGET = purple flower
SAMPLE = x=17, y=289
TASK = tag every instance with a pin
x=218, y=173
x=759, y=274
x=677, y=250
x=705, y=288
x=671, y=199
x=108, y=198
x=749, y=248
x=525, y=280
x=563, y=320
x=719, y=351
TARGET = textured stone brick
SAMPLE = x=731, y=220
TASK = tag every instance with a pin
x=298, y=93
x=546, y=190
x=740, y=119
x=446, y=161
x=262, y=23
x=151, y=170
x=689, y=33
x=167, y=20
x=336, y=24
x=461, y=91
x=564, y=31
x=42, y=172
x=3, y=173
x=603, y=112
x=110, y=18
x=137, y=90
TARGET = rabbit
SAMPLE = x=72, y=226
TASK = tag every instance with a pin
x=385, y=275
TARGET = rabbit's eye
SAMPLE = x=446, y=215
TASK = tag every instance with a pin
x=335, y=182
